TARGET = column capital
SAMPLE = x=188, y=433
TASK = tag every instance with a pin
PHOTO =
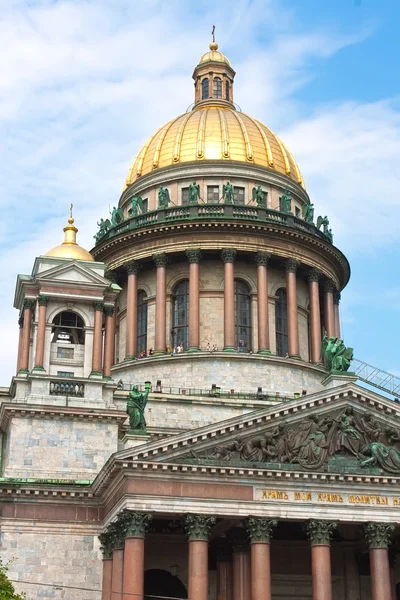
x=378, y=534
x=291, y=265
x=228, y=255
x=108, y=310
x=136, y=523
x=329, y=286
x=198, y=526
x=132, y=268
x=111, y=275
x=21, y=321
x=43, y=300
x=106, y=539
x=336, y=297
x=239, y=539
x=193, y=255
x=313, y=275
x=160, y=260
x=98, y=306
x=28, y=303
x=260, y=529
x=320, y=532
x=262, y=258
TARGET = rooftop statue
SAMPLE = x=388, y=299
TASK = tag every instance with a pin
x=227, y=193
x=285, y=202
x=135, y=407
x=336, y=355
x=117, y=216
x=137, y=203
x=104, y=226
x=324, y=222
x=164, y=198
x=259, y=197
x=194, y=193
x=307, y=212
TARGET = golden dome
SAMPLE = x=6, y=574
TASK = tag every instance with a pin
x=214, y=55
x=69, y=248
x=213, y=132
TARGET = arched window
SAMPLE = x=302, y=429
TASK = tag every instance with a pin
x=281, y=327
x=217, y=86
x=180, y=320
x=68, y=328
x=242, y=316
x=141, y=321
x=204, y=89
x=227, y=90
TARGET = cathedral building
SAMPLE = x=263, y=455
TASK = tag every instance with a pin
x=184, y=421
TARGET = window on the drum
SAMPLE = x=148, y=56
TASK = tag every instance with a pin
x=281, y=327
x=180, y=317
x=242, y=316
x=141, y=322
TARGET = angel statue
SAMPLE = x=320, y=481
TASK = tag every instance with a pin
x=194, y=193
x=227, y=193
x=259, y=196
x=324, y=222
x=135, y=407
x=104, y=226
x=285, y=202
x=117, y=216
x=336, y=355
x=163, y=197
x=137, y=202
x=307, y=212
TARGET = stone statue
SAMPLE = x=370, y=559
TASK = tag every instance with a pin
x=135, y=408
x=258, y=196
x=345, y=434
x=163, y=197
x=285, y=202
x=194, y=193
x=378, y=454
x=227, y=193
x=136, y=203
x=324, y=222
x=104, y=226
x=117, y=216
x=227, y=451
x=336, y=355
x=307, y=212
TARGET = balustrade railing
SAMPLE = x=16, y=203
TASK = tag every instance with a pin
x=66, y=388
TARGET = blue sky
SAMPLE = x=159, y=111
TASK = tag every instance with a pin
x=83, y=83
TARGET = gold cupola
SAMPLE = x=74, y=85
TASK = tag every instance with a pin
x=69, y=248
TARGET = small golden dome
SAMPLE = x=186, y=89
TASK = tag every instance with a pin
x=214, y=132
x=214, y=55
x=69, y=248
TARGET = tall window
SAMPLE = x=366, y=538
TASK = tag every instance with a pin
x=217, y=83
x=68, y=328
x=242, y=315
x=141, y=321
x=185, y=196
x=180, y=319
x=212, y=194
x=281, y=327
x=238, y=195
x=227, y=90
x=204, y=89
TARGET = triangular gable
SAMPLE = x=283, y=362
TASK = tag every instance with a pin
x=72, y=272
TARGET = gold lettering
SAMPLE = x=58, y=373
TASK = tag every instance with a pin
x=328, y=497
x=303, y=496
x=274, y=495
x=396, y=501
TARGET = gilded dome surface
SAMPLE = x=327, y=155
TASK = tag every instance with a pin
x=69, y=248
x=214, y=132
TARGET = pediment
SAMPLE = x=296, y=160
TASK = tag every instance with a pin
x=343, y=430
x=72, y=272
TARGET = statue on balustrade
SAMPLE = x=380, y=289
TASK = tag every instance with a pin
x=227, y=193
x=285, y=202
x=194, y=193
x=259, y=196
x=336, y=355
x=164, y=198
x=117, y=216
x=104, y=227
x=135, y=407
x=136, y=204
x=307, y=212
x=324, y=223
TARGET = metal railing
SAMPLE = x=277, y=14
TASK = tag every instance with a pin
x=376, y=377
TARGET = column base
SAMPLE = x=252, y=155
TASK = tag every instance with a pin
x=265, y=352
x=160, y=352
x=229, y=349
x=193, y=349
x=96, y=374
x=23, y=372
x=38, y=369
x=107, y=378
x=295, y=356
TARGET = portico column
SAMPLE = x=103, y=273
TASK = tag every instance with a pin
x=228, y=256
x=262, y=302
x=106, y=585
x=240, y=564
x=137, y=525
x=320, y=535
x=40, y=334
x=392, y=568
x=260, y=531
x=97, y=338
x=109, y=341
x=336, y=314
x=160, y=261
x=117, y=575
x=329, y=320
x=26, y=335
x=292, y=314
x=194, y=257
x=198, y=530
x=315, y=315
x=378, y=538
x=21, y=331
x=224, y=569
x=131, y=311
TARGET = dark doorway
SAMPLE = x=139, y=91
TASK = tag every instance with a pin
x=159, y=584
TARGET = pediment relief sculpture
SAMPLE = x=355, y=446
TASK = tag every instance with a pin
x=346, y=440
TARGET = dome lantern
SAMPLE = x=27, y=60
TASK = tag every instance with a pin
x=69, y=248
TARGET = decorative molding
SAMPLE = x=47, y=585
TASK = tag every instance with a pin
x=228, y=255
x=160, y=260
x=193, y=255
x=260, y=529
x=98, y=306
x=198, y=527
x=378, y=535
x=320, y=532
x=262, y=258
x=132, y=268
x=314, y=275
x=291, y=265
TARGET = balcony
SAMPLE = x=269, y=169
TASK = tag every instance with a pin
x=211, y=212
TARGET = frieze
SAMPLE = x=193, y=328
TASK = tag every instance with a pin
x=279, y=496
